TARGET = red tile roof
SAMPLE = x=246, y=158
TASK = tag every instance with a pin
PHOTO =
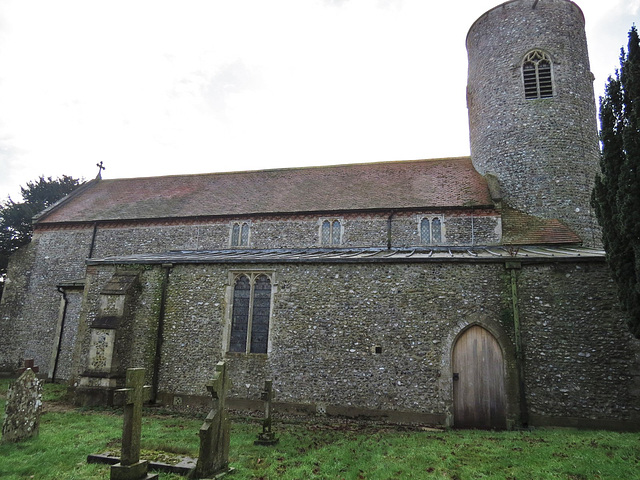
x=440, y=183
x=519, y=228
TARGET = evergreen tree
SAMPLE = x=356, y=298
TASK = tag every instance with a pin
x=15, y=218
x=616, y=196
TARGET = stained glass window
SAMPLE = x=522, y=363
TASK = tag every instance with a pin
x=240, y=314
x=261, y=313
x=250, y=314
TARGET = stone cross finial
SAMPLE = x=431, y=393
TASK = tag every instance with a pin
x=135, y=394
x=100, y=168
x=213, y=460
x=267, y=437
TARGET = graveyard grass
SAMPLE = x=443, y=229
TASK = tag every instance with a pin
x=319, y=449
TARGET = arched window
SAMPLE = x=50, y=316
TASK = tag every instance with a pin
x=240, y=314
x=537, y=75
x=250, y=314
x=431, y=232
x=239, y=234
x=425, y=230
x=331, y=232
x=436, y=230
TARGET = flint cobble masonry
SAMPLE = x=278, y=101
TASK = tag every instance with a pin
x=327, y=321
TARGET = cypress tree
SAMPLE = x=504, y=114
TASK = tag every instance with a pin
x=616, y=195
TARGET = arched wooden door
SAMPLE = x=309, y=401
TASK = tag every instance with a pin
x=478, y=381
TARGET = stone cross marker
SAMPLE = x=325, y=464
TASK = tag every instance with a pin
x=213, y=460
x=267, y=437
x=23, y=407
x=135, y=394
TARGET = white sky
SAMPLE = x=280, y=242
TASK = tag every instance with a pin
x=169, y=87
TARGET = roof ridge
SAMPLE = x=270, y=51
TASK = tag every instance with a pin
x=291, y=169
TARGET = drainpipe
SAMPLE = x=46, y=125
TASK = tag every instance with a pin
x=93, y=239
x=160, y=335
x=513, y=267
x=60, y=331
x=389, y=229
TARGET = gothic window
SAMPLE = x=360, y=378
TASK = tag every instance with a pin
x=537, y=75
x=331, y=232
x=239, y=234
x=431, y=230
x=250, y=313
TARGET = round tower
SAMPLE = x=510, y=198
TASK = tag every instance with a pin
x=532, y=114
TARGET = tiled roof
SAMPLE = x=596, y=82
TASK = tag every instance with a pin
x=519, y=228
x=440, y=183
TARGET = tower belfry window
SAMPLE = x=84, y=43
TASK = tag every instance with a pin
x=537, y=75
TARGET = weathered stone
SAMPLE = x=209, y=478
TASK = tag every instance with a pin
x=213, y=460
x=22, y=411
x=267, y=436
x=135, y=393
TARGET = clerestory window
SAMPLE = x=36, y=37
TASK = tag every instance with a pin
x=250, y=313
x=331, y=232
x=239, y=234
x=537, y=75
x=431, y=230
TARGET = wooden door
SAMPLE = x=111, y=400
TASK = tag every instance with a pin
x=478, y=381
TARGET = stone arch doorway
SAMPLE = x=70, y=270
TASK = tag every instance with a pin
x=479, y=397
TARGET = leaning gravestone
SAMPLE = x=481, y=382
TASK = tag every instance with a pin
x=130, y=466
x=22, y=411
x=213, y=461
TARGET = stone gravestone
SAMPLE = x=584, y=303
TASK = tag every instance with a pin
x=135, y=394
x=22, y=411
x=267, y=437
x=213, y=460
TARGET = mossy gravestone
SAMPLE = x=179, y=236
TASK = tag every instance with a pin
x=22, y=411
x=213, y=461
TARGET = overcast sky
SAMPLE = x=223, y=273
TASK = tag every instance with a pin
x=171, y=87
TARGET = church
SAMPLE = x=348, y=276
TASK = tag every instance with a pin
x=467, y=292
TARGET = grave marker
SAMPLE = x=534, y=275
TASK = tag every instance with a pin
x=267, y=437
x=213, y=460
x=23, y=407
x=135, y=394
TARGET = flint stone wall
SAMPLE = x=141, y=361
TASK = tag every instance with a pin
x=56, y=256
x=580, y=362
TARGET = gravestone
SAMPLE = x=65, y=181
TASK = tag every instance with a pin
x=23, y=407
x=135, y=394
x=213, y=461
x=267, y=437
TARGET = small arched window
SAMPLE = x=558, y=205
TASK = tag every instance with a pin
x=537, y=75
x=240, y=234
x=331, y=232
x=431, y=231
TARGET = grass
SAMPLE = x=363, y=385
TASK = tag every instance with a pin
x=314, y=450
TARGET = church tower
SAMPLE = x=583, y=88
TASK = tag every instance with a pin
x=532, y=114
